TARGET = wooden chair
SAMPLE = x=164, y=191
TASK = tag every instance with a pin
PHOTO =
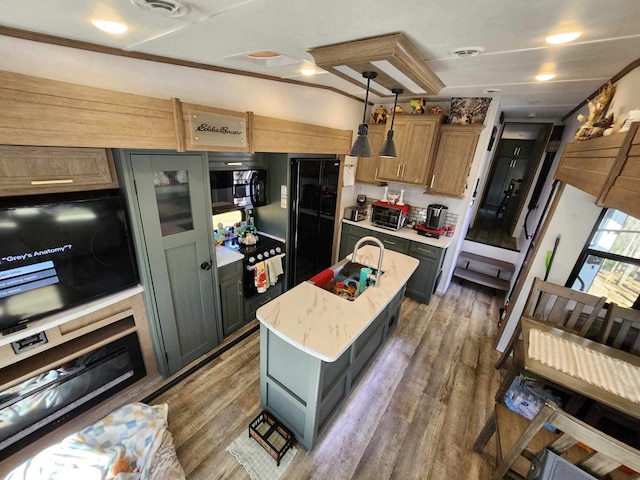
x=578, y=443
x=621, y=329
x=562, y=306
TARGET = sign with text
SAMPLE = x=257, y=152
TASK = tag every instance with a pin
x=215, y=129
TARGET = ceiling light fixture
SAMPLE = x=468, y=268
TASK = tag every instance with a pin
x=543, y=77
x=264, y=54
x=561, y=38
x=388, y=149
x=308, y=69
x=114, y=28
x=361, y=147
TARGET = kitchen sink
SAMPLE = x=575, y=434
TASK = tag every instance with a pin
x=342, y=279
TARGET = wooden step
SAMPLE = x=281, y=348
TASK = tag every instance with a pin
x=482, y=278
x=506, y=267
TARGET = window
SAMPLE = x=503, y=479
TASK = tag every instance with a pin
x=610, y=262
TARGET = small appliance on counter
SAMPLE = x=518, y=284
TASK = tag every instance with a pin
x=361, y=200
x=428, y=232
x=386, y=215
x=356, y=213
x=436, y=216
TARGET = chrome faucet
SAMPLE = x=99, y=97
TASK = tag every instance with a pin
x=370, y=239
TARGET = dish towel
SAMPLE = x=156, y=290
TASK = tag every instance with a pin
x=260, y=277
x=274, y=268
x=349, y=178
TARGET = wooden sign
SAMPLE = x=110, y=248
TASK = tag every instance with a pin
x=214, y=129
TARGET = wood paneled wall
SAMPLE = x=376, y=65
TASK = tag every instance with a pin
x=273, y=135
x=36, y=111
x=40, y=112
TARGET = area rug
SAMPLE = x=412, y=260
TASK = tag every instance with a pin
x=255, y=459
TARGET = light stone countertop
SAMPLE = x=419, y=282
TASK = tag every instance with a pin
x=325, y=325
x=225, y=256
x=405, y=232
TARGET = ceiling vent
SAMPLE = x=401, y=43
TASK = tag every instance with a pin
x=466, y=52
x=166, y=8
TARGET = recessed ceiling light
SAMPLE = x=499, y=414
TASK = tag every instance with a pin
x=531, y=115
x=543, y=77
x=561, y=38
x=115, y=28
x=492, y=90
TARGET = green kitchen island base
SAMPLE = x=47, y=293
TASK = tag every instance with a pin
x=304, y=392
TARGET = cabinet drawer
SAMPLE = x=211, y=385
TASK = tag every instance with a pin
x=36, y=170
x=229, y=271
x=396, y=244
x=253, y=304
x=424, y=250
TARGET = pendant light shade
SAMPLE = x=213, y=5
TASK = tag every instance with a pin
x=361, y=147
x=388, y=149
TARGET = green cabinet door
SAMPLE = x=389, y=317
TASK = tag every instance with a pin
x=348, y=238
x=231, y=299
x=424, y=280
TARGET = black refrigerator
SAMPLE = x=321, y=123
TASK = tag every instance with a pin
x=312, y=201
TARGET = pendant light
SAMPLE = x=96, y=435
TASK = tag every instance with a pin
x=388, y=149
x=361, y=147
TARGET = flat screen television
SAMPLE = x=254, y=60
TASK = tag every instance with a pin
x=58, y=255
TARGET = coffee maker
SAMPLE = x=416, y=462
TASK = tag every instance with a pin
x=436, y=216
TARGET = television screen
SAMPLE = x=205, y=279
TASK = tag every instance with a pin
x=59, y=255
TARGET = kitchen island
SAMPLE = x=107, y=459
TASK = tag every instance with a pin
x=315, y=345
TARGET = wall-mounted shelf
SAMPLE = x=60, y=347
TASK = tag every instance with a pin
x=607, y=168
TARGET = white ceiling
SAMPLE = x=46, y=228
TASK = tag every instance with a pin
x=511, y=32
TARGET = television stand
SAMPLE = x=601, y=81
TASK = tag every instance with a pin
x=69, y=335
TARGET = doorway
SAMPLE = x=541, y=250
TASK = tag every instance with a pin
x=511, y=175
x=173, y=204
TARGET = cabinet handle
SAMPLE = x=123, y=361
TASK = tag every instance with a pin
x=376, y=174
x=266, y=301
x=239, y=288
x=389, y=242
x=433, y=179
x=398, y=170
x=52, y=182
x=402, y=174
x=424, y=249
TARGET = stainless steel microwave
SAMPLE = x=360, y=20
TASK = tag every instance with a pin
x=389, y=216
x=241, y=188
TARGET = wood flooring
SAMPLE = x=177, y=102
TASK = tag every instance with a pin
x=491, y=230
x=414, y=415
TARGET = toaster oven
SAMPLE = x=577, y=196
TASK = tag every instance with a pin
x=356, y=213
x=389, y=216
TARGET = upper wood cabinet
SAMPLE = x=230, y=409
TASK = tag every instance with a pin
x=414, y=137
x=367, y=169
x=36, y=170
x=606, y=167
x=455, y=148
